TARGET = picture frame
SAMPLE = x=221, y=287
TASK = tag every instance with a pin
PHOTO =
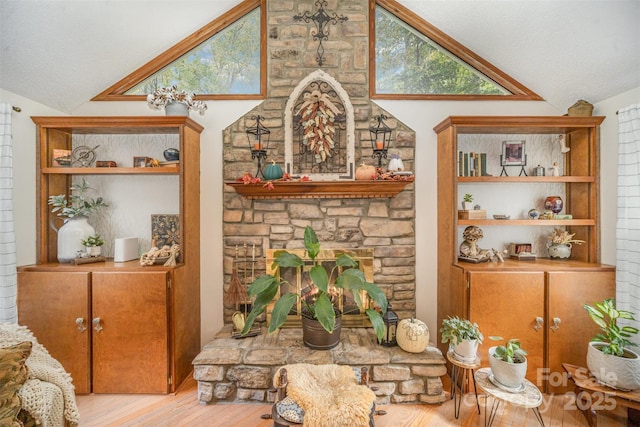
x=513, y=153
x=141, y=162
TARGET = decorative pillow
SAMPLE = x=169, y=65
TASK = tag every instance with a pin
x=13, y=373
x=290, y=410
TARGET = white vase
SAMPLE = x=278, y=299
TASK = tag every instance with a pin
x=176, y=109
x=621, y=372
x=466, y=351
x=508, y=374
x=70, y=237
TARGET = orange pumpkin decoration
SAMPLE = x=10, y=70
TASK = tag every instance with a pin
x=365, y=172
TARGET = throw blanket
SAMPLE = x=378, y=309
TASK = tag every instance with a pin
x=48, y=394
x=329, y=395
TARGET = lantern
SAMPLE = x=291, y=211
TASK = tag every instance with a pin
x=380, y=138
x=390, y=319
x=258, y=137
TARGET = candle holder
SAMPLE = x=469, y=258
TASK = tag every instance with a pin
x=380, y=138
x=258, y=137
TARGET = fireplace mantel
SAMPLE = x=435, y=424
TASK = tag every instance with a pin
x=321, y=189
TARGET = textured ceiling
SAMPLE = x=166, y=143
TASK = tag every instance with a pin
x=61, y=53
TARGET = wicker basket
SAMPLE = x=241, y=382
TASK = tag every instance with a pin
x=580, y=108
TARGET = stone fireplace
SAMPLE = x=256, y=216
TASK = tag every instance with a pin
x=378, y=226
x=385, y=226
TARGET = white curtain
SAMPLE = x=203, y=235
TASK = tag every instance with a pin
x=8, y=276
x=628, y=224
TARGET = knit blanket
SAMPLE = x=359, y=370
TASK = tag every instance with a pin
x=329, y=395
x=48, y=395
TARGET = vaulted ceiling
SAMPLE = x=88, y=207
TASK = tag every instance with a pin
x=62, y=53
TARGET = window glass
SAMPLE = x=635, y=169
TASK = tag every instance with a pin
x=227, y=63
x=408, y=62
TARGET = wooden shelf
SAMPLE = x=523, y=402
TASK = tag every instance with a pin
x=532, y=179
x=530, y=222
x=321, y=189
x=112, y=171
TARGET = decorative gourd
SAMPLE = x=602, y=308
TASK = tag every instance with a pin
x=412, y=335
x=365, y=172
x=273, y=171
x=395, y=164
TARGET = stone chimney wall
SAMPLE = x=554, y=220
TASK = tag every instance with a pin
x=385, y=224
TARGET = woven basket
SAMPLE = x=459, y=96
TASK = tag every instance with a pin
x=580, y=108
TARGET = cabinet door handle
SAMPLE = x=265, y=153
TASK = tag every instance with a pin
x=96, y=324
x=80, y=324
x=539, y=322
x=556, y=324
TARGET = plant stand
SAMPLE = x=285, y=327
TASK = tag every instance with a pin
x=591, y=396
x=457, y=390
x=529, y=397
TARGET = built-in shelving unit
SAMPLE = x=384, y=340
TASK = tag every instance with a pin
x=538, y=301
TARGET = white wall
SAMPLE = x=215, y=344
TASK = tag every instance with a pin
x=422, y=116
x=609, y=167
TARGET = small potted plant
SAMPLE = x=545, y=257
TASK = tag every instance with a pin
x=467, y=202
x=93, y=244
x=508, y=363
x=608, y=357
x=560, y=243
x=463, y=337
x=319, y=314
x=175, y=102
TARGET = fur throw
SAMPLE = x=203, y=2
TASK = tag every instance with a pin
x=329, y=395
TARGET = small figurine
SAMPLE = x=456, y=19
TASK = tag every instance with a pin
x=469, y=248
x=555, y=169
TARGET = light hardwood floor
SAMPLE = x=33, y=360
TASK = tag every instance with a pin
x=183, y=409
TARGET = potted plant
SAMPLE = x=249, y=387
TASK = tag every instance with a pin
x=560, y=243
x=463, y=337
x=74, y=210
x=175, y=102
x=608, y=357
x=318, y=310
x=508, y=363
x=467, y=202
x=93, y=244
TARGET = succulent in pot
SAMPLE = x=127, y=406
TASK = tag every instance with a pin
x=93, y=244
x=608, y=357
x=508, y=363
x=463, y=337
x=319, y=306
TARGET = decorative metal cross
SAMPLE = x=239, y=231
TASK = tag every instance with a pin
x=322, y=20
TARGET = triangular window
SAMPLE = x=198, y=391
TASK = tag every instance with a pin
x=415, y=60
x=222, y=60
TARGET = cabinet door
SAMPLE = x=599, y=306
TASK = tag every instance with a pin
x=569, y=327
x=130, y=338
x=507, y=304
x=55, y=307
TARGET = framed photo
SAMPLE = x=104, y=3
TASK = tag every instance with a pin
x=141, y=162
x=513, y=153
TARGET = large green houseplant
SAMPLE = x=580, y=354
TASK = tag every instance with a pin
x=608, y=357
x=320, y=306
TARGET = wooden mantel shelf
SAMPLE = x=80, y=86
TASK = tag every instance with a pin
x=320, y=189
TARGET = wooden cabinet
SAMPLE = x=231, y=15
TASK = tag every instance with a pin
x=540, y=302
x=117, y=327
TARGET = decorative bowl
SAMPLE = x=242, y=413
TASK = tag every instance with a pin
x=171, y=154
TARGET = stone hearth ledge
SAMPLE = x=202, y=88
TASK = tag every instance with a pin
x=234, y=370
